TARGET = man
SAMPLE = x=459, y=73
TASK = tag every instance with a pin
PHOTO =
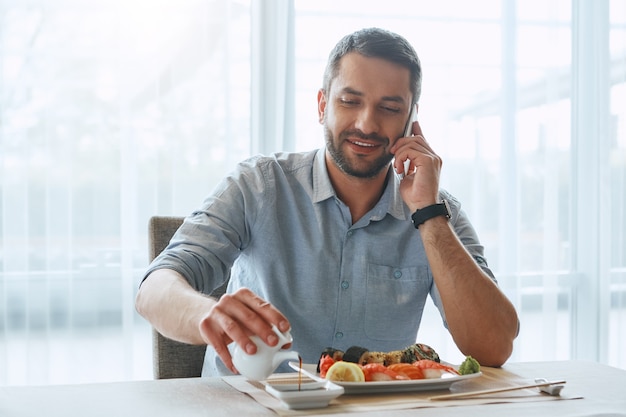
x=332, y=243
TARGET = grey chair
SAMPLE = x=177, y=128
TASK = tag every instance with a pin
x=172, y=359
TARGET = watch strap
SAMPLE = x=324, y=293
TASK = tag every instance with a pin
x=428, y=212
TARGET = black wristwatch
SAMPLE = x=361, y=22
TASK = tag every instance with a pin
x=428, y=212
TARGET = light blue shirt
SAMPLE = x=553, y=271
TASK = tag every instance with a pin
x=276, y=226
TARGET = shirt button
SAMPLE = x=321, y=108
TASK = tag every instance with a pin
x=338, y=335
x=345, y=285
x=397, y=274
x=350, y=233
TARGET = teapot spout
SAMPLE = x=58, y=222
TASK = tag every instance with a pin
x=283, y=356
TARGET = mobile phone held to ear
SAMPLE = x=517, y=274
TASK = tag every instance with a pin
x=408, y=132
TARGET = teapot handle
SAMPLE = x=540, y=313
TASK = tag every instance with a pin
x=283, y=338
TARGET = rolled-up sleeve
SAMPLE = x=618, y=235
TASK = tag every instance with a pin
x=209, y=241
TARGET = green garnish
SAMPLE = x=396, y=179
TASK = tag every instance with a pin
x=469, y=366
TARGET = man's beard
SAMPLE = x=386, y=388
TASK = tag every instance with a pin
x=345, y=165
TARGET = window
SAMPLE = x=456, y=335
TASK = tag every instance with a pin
x=114, y=111
x=110, y=112
x=501, y=84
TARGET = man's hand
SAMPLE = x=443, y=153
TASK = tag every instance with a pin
x=236, y=317
x=420, y=188
x=181, y=313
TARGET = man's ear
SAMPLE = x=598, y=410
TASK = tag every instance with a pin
x=321, y=105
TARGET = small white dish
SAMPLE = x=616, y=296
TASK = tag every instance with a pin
x=294, y=382
x=311, y=398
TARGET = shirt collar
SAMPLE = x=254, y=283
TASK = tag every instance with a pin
x=322, y=187
x=390, y=202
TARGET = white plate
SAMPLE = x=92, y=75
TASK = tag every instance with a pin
x=391, y=386
x=311, y=398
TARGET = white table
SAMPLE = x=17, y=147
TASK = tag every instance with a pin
x=603, y=389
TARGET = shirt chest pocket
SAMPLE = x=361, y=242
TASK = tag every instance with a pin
x=395, y=299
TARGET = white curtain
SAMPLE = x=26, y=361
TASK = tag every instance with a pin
x=114, y=111
x=272, y=76
x=110, y=112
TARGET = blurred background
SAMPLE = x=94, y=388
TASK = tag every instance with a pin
x=112, y=111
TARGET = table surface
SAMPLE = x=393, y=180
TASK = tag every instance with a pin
x=603, y=389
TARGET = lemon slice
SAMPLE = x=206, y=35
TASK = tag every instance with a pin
x=346, y=372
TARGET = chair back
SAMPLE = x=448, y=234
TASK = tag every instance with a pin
x=172, y=359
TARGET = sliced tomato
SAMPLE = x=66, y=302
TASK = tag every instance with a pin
x=326, y=361
x=406, y=369
x=379, y=372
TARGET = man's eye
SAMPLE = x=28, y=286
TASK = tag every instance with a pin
x=391, y=109
x=348, y=102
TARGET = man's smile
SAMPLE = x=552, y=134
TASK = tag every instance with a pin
x=363, y=144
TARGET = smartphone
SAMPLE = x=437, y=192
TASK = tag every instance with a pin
x=408, y=129
x=407, y=133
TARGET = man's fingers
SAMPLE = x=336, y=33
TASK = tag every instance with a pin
x=238, y=316
x=417, y=129
x=412, y=149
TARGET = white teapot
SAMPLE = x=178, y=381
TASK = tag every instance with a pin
x=260, y=365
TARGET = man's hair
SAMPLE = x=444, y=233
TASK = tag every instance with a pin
x=376, y=43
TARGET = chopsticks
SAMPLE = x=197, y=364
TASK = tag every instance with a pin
x=493, y=391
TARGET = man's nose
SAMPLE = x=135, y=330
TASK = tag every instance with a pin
x=366, y=121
